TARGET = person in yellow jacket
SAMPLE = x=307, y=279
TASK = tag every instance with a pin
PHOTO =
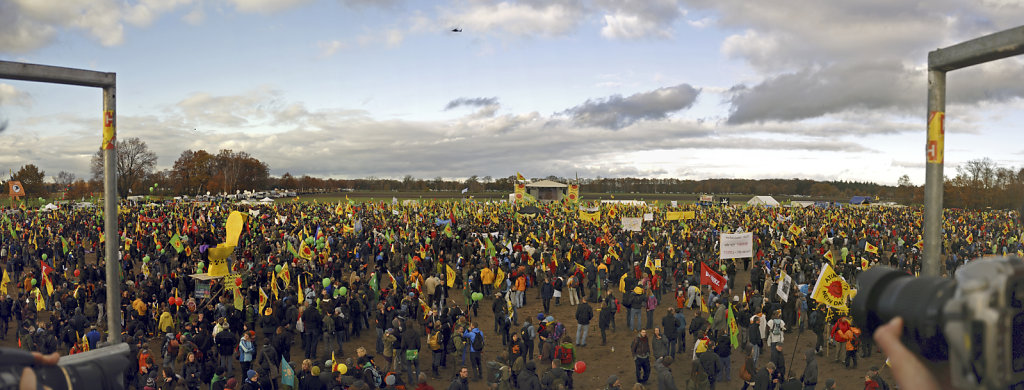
x=487, y=278
x=166, y=323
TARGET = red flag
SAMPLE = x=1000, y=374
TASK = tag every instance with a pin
x=711, y=278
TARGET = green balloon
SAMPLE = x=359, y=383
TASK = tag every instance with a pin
x=309, y=240
x=327, y=282
x=278, y=268
x=337, y=293
x=201, y=266
x=44, y=256
x=319, y=245
x=34, y=281
x=477, y=296
x=145, y=259
x=161, y=251
x=156, y=184
x=343, y=290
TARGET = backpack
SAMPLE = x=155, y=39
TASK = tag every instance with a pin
x=370, y=373
x=524, y=334
x=498, y=373
x=563, y=354
x=855, y=342
x=776, y=328
x=557, y=331
x=478, y=342
x=432, y=341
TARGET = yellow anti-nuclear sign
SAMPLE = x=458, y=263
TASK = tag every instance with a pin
x=936, y=137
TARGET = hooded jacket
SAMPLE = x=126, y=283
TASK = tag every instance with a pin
x=810, y=375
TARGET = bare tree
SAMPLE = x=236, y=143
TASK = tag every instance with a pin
x=135, y=162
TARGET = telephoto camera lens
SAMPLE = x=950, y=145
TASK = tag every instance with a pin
x=884, y=293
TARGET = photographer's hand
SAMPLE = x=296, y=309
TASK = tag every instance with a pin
x=28, y=375
x=910, y=371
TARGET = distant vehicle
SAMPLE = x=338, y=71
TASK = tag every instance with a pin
x=457, y=29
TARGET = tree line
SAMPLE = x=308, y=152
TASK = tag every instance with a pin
x=978, y=183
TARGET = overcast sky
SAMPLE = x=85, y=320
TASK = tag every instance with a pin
x=828, y=90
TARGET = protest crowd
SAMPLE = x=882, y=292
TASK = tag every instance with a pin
x=219, y=295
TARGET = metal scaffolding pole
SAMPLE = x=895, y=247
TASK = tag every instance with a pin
x=107, y=81
x=991, y=47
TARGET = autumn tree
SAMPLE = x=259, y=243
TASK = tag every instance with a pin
x=135, y=162
x=192, y=172
x=32, y=180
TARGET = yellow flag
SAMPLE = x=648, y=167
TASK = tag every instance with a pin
x=795, y=230
x=830, y=257
x=298, y=281
x=448, y=272
x=870, y=248
x=40, y=303
x=703, y=306
x=499, y=277
x=590, y=217
x=674, y=215
x=273, y=286
x=622, y=283
x=263, y=301
x=3, y=283
x=830, y=289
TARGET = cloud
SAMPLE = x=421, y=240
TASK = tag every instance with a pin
x=525, y=18
x=616, y=112
x=266, y=7
x=329, y=48
x=10, y=96
x=639, y=19
x=886, y=86
x=472, y=102
x=291, y=137
x=26, y=25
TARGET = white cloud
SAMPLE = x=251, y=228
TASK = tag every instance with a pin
x=267, y=7
x=329, y=48
x=10, y=96
x=528, y=18
x=639, y=19
x=29, y=24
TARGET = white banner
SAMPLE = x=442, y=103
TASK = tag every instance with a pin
x=648, y=216
x=785, y=284
x=631, y=224
x=736, y=245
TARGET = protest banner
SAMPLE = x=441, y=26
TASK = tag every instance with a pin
x=736, y=245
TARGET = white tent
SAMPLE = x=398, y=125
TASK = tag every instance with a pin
x=766, y=201
x=266, y=201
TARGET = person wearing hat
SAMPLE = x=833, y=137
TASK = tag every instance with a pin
x=613, y=383
x=830, y=384
x=528, y=379
x=877, y=378
x=252, y=381
x=637, y=302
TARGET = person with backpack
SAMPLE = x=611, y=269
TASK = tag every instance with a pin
x=528, y=333
x=838, y=336
x=436, y=349
x=852, y=336
x=816, y=322
x=475, y=340
x=671, y=331
x=584, y=313
x=554, y=378
x=776, y=329
x=565, y=354
x=640, y=349
x=499, y=374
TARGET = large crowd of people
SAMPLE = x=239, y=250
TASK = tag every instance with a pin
x=306, y=279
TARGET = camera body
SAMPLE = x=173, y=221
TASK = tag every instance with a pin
x=984, y=324
x=975, y=321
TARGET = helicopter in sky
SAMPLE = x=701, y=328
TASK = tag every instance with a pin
x=456, y=29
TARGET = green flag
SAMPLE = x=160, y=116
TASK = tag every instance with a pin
x=291, y=249
x=490, y=245
x=176, y=243
x=734, y=330
x=64, y=243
